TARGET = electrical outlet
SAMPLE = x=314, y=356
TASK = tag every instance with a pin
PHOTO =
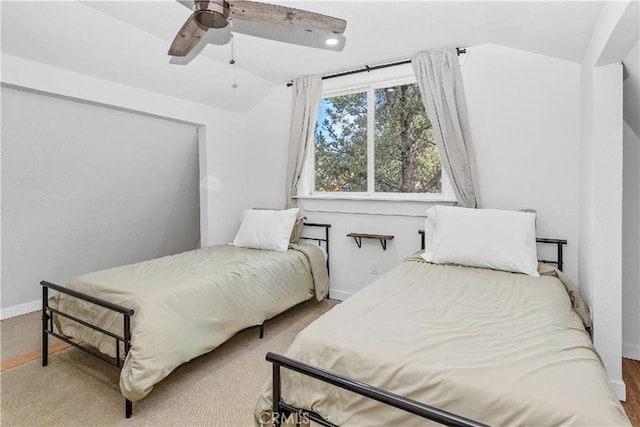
x=374, y=267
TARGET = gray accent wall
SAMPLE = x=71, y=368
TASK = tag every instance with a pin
x=631, y=207
x=87, y=187
x=631, y=245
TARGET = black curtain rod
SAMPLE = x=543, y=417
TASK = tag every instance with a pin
x=368, y=68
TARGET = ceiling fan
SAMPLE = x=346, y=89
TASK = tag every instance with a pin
x=256, y=19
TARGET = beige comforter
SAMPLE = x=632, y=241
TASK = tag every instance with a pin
x=501, y=348
x=188, y=304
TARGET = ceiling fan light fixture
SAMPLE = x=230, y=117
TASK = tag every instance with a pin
x=331, y=41
x=212, y=14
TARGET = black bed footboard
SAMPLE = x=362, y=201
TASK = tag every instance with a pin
x=47, y=329
x=282, y=411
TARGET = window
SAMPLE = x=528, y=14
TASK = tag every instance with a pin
x=375, y=140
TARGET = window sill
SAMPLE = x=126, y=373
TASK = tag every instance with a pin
x=436, y=198
x=414, y=206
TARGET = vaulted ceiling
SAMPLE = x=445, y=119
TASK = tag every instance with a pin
x=127, y=41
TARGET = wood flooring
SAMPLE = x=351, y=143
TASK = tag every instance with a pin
x=31, y=356
x=631, y=376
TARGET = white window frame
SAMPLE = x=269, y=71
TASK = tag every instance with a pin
x=307, y=184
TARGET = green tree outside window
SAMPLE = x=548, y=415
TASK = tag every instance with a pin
x=406, y=158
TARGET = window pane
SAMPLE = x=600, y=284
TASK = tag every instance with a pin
x=406, y=158
x=341, y=144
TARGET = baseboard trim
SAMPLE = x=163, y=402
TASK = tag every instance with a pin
x=631, y=351
x=339, y=295
x=619, y=389
x=20, y=309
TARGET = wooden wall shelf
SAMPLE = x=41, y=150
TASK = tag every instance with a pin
x=383, y=238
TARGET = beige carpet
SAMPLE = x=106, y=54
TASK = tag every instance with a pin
x=216, y=389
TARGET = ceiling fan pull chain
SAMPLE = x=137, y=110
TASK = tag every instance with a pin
x=233, y=47
x=232, y=61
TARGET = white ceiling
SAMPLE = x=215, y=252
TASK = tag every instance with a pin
x=127, y=41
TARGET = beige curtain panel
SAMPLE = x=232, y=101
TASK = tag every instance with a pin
x=440, y=82
x=306, y=94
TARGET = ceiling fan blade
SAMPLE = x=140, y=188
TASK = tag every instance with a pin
x=288, y=35
x=188, y=36
x=218, y=36
x=287, y=17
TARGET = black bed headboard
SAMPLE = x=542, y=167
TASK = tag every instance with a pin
x=559, y=242
x=324, y=239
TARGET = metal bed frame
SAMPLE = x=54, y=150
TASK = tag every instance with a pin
x=283, y=412
x=324, y=239
x=558, y=242
x=124, y=339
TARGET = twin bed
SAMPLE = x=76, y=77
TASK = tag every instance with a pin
x=448, y=343
x=457, y=344
x=148, y=318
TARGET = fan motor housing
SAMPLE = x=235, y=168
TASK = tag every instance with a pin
x=212, y=14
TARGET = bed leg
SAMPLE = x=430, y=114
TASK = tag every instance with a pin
x=275, y=389
x=261, y=330
x=45, y=319
x=128, y=408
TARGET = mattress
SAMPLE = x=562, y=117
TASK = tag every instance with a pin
x=188, y=304
x=496, y=347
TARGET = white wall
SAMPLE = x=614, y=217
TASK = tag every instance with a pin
x=268, y=135
x=524, y=112
x=222, y=142
x=601, y=204
x=87, y=187
x=615, y=32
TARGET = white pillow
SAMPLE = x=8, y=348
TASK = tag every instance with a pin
x=429, y=229
x=488, y=238
x=266, y=229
